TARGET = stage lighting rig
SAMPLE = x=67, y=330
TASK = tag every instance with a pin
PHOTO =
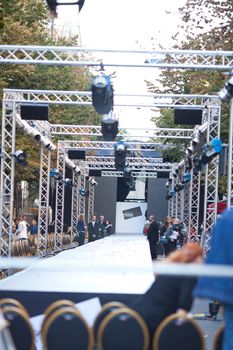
x=109, y=127
x=170, y=194
x=102, y=93
x=92, y=181
x=20, y=157
x=83, y=192
x=211, y=150
x=120, y=153
x=227, y=91
x=52, y=4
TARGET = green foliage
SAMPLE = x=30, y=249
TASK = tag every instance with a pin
x=26, y=22
x=206, y=25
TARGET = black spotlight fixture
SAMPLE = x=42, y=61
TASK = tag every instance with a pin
x=83, y=192
x=68, y=182
x=211, y=150
x=227, y=91
x=179, y=187
x=20, y=157
x=128, y=178
x=102, y=93
x=109, y=127
x=120, y=152
x=170, y=194
x=52, y=4
x=57, y=175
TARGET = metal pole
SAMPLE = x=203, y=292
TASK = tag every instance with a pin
x=229, y=174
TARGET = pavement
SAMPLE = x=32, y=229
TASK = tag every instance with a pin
x=209, y=327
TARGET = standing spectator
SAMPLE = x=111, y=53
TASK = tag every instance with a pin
x=93, y=229
x=22, y=231
x=102, y=225
x=146, y=227
x=152, y=236
x=33, y=228
x=221, y=288
x=81, y=226
x=172, y=234
x=108, y=228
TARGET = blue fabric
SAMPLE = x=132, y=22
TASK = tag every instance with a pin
x=228, y=330
x=33, y=229
x=80, y=226
x=221, y=253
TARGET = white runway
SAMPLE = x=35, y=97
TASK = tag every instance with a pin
x=118, y=264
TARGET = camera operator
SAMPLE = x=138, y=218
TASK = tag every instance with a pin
x=173, y=235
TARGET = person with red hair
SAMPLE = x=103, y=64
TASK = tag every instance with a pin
x=169, y=294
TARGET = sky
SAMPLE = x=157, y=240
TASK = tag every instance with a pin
x=127, y=25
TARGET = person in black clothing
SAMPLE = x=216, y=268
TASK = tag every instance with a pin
x=93, y=230
x=169, y=294
x=152, y=236
x=102, y=225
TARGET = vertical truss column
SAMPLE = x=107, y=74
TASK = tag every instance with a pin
x=170, y=201
x=186, y=215
x=91, y=201
x=82, y=199
x=7, y=176
x=211, y=179
x=194, y=205
x=60, y=193
x=74, y=208
x=44, y=189
x=174, y=198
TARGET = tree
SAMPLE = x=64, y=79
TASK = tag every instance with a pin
x=26, y=22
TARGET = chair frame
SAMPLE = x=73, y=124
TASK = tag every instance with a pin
x=25, y=316
x=48, y=322
x=217, y=335
x=15, y=303
x=106, y=306
x=172, y=317
x=120, y=311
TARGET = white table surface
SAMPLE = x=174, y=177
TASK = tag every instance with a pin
x=117, y=264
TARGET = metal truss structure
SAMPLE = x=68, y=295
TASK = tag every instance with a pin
x=43, y=212
x=75, y=205
x=91, y=198
x=211, y=179
x=193, y=224
x=76, y=56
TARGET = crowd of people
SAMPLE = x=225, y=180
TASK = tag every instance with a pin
x=171, y=235
x=90, y=232
x=93, y=230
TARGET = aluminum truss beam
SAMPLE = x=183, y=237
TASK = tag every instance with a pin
x=91, y=198
x=84, y=98
x=85, y=130
x=43, y=213
x=58, y=55
x=211, y=180
x=74, y=207
x=144, y=174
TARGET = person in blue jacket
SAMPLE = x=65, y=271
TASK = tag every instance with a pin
x=221, y=288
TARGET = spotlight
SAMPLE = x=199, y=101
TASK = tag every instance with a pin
x=109, y=127
x=170, y=195
x=120, y=155
x=52, y=4
x=21, y=157
x=129, y=179
x=189, y=151
x=102, y=94
x=92, y=181
x=179, y=187
x=68, y=182
x=188, y=164
x=187, y=177
x=57, y=175
x=211, y=150
x=227, y=91
x=83, y=192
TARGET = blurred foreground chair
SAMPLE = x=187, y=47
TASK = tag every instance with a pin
x=123, y=329
x=20, y=327
x=105, y=310
x=178, y=333
x=65, y=329
x=5, y=302
x=218, y=338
